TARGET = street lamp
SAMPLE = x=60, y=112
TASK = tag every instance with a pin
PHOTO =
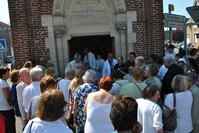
x=171, y=8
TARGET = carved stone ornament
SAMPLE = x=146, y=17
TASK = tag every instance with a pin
x=121, y=26
x=59, y=30
x=57, y=6
x=120, y=5
x=90, y=20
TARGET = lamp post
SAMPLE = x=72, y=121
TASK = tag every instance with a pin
x=171, y=8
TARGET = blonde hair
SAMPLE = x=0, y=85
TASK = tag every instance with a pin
x=179, y=83
x=77, y=80
x=137, y=73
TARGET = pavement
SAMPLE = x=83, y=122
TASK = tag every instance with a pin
x=18, y=125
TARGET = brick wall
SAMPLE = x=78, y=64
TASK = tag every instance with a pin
x=149, y=26
x=156, y=29
x=28, y=35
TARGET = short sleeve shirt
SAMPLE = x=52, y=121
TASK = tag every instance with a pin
x=3, y=101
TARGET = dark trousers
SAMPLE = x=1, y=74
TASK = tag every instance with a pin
x=9, y=120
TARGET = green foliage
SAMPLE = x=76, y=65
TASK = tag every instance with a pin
x=178, y=36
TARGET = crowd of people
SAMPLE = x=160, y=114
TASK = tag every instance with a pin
x=103, y=96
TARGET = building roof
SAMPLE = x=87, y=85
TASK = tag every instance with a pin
x=4, y=26
x=196, y=2
x=190, y=20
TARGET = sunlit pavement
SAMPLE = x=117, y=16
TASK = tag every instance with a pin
x=18, y=125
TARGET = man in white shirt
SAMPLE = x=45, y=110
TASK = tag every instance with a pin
x=64, y=83
x=24, y=74
x=99, y=66
x=89, y=59
x=34, y=88
x=109, y=64
x=76, y=63
x=170, y=51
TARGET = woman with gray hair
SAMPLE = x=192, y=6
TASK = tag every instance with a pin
x=184, y=102
x=80, y=95
x=150, y=72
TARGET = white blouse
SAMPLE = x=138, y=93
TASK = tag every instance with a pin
x=184, y=102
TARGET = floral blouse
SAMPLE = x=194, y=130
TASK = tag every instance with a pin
x=80, y=95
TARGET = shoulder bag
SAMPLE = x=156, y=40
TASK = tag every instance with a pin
x=170, y=116
x=138, y=87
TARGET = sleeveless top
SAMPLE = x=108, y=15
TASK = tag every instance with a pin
x=98, y=120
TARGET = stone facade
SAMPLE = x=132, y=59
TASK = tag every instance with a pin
x=43, y=28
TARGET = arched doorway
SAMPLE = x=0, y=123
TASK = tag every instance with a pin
x=103, y=25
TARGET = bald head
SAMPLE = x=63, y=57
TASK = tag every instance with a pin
x=139, y=61
x=24, y=70
x=24, y=74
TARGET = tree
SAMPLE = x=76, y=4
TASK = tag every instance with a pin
x=178, y=36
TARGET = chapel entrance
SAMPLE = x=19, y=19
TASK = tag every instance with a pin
x=97, y=44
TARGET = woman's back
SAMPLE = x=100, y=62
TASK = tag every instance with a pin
x=133, y=89
x=183, y=108
x=149, y=115
x=98, y=111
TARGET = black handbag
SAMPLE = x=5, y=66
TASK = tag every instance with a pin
x=170, y=116
x=70, y=122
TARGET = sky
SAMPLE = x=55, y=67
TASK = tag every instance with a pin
x=4, y=15
x=179, y=5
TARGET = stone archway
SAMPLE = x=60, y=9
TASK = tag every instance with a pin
x=58, y=6
x=75, y=18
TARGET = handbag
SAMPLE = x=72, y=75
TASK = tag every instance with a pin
x=138, y=87
x=70, y=120
x=170, y=116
